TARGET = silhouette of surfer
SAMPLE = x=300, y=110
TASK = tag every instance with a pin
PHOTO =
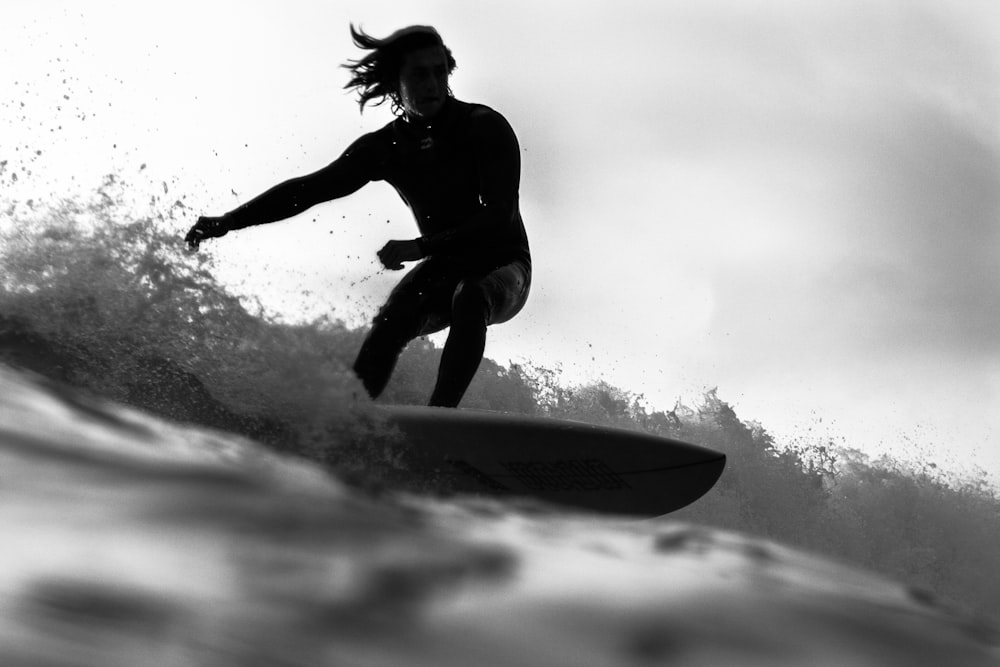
x=457, y=166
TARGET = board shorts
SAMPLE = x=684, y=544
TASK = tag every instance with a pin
x=423, y=301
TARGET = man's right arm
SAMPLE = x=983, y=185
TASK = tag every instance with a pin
x=347, y=174
x=343, y=176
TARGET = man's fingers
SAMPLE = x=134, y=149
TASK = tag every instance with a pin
x=194, y=237
x=388, y=257
x=205, y=228
x=392, y=265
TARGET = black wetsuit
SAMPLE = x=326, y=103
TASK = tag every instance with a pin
x=459, y=173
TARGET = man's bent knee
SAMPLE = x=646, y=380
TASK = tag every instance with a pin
x=470, y=303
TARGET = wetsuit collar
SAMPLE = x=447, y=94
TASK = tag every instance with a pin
x=439, y=118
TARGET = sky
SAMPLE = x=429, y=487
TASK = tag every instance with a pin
x=796, y=203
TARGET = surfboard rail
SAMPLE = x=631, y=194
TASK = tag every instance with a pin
x=586, y=466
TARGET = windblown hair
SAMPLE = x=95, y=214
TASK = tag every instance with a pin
x=376, y=76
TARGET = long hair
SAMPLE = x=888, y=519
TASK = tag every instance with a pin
x=376, y=76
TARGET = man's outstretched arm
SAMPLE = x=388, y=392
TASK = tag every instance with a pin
x=345, y=175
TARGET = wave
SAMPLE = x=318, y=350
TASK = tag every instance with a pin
x=98, y=292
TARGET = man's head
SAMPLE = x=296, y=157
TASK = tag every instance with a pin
x=410, y=67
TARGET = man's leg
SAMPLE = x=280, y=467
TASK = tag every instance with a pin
x=463, y=351
x=477, y=303
x=411, y=310
x=380, y=351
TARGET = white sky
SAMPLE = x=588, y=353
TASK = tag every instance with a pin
x=795, y=202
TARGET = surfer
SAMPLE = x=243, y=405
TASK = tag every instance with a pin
x=457, y=166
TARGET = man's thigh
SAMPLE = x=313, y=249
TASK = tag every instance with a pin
x=506, y=290
x=421, y=301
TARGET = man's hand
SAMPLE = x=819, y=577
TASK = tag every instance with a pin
x=394, y=253
x=205, y=228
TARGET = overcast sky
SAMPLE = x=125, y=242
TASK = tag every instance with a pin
x=795, y=202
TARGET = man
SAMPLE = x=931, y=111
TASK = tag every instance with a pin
x=457, y=166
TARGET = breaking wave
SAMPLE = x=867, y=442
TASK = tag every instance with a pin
x=98, y=292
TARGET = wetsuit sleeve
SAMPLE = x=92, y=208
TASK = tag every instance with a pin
x=498, y=163
x=357, y=166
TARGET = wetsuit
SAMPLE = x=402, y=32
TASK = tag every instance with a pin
x=459, y=173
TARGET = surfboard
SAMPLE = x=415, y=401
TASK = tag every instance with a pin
x=597, y=468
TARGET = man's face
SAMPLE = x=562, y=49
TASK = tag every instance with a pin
x=423, y=82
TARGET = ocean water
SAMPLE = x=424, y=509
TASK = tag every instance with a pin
x=186, y=480
x=133, y=540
